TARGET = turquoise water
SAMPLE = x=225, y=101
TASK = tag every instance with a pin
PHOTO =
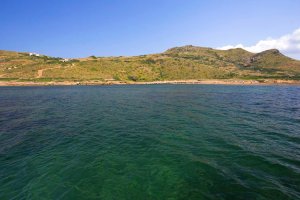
x=150, y=142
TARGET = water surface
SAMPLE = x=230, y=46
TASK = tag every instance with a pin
x=150, y=142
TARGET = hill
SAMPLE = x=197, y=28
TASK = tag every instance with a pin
x=179, y=63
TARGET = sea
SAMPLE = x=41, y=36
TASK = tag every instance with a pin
x=150, y=142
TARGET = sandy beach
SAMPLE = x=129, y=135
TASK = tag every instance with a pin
x=209, y=82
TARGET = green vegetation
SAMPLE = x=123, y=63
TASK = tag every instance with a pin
x=179, y=63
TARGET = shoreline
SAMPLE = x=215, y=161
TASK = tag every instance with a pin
x=192, y=82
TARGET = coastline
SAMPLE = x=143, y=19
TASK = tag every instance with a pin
x=203, y=82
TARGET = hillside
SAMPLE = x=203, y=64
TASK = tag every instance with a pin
x=179, y=63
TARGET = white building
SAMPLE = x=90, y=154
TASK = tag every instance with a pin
x=65, y=60
x=34, y=54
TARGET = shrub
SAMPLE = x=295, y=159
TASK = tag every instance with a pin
x=116, y=77
x=148, y=61
x=132, y=78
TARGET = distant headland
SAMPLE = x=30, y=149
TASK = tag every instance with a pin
x=179, y=65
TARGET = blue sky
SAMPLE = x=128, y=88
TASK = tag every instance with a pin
x=80, y=28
